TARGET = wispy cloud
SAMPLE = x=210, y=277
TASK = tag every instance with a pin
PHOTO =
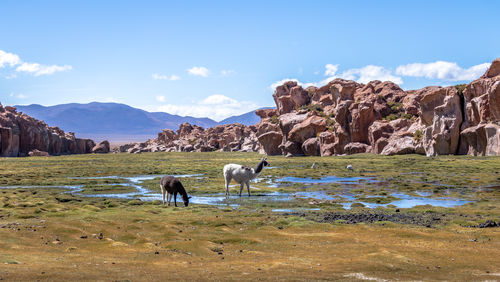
x=36, y=69
x=160, y=98
x=331, y=69
x=216, y=107
x=165, y=77
x=369, y=73
x=18, y=96
x=200, y=71
x=227, y=72
x=443, y=70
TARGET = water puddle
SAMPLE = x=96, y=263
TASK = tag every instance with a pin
x=326, y=179
x=343, y=197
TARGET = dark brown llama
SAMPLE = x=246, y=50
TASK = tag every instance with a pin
x=172, y=186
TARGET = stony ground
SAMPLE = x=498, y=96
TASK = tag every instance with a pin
x=48, y=235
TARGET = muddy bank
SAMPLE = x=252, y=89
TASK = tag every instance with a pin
x=420, y=219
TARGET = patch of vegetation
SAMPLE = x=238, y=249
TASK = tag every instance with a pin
x=274, y=119
x=460, y=88
x=397, y=112
x=311, y=91
x=417, y=135
x=312, y=108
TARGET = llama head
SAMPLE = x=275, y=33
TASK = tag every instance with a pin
x=185, y=198
x=264, y=161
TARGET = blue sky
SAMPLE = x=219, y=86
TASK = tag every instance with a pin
x=220, y=58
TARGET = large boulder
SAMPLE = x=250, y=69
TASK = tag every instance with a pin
x=400, y=146
x=326, y=143
x=311, y=147
x=101, y=148
x=356, y=148
x=271, y=142
x=37, y=153
x=482, y=140
x=308, y=128
x=441, y=137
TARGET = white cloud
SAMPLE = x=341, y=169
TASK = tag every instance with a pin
x=165, y=77
x=227, y=72
x=361, y=75
x=369, y=73
x=19, y=96
x=8, y=58
x=201, y=71
x=175, y=77
x=160, y=98
x=331, y=69
x=35, y=69
x=159, y=76
x=442, y=70
x=216, y=107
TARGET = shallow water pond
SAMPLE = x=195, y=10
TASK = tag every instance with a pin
x=345, y=197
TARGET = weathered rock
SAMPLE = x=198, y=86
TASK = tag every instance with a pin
x=311, y=147
x=482, y=140
x=400, y=146
x=493, y=70
x=189, y=138
x=293, y=148
x=270, y=142
x=21, y=134
x=326, y=143
x=101, y=148
x=356, y=148
x=308, y=128
x=37, y=153
x=441, y=137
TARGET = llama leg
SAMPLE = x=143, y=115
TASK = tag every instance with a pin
x=248, y=188
x=241, y=188
x=163, y=191
x=227, y=179
x=175, y=199
x=169, y=198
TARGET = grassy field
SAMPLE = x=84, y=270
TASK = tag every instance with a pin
x=47, y=234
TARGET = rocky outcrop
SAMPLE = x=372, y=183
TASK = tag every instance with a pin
x=21, y=134
x=345, y=117
x=101, y=148
x=192, y=138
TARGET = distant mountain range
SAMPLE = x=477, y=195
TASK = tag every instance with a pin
x=119, y=122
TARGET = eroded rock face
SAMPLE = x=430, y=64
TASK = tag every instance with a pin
x=193, y=138
x=101, y=148
x=345, y=117
x=21, y=134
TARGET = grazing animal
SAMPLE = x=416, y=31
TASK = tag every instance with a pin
x=349, y=167
x=314, y=166
x=242, y=174
x=172, y=186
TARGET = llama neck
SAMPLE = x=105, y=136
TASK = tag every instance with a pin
x=258, y=168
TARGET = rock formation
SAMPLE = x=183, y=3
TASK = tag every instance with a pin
x=21, y=134
x=101, y=148
x=345, y=117
x=193, y=138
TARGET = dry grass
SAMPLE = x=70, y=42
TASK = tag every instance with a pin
x=41, y=230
